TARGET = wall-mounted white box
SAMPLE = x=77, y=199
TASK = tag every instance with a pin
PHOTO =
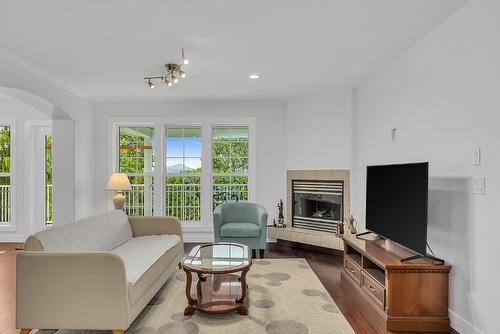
x=476, y=158
x=478, y=185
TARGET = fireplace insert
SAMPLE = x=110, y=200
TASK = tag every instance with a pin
x=317, y=205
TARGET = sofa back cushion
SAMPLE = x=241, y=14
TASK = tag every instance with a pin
x=98, y=233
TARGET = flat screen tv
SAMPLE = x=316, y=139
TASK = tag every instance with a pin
x=396, y=203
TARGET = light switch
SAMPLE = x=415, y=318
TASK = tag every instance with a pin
x=476, y=159
x=478, y=185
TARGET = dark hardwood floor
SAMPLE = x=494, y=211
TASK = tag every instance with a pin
x=327, y=267
x=361, y=315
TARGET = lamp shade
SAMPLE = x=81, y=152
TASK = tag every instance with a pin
x=118, y=182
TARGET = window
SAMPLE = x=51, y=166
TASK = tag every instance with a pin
x=230, y=155
x=183, y=170
x=184, y=167
x=136, y=158
x=48, y=180
x=5, y=175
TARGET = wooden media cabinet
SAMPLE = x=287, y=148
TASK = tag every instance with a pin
x=410, y=296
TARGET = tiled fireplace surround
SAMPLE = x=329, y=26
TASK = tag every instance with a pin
x=315, y=238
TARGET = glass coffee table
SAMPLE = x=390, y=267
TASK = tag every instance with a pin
x=221, y=269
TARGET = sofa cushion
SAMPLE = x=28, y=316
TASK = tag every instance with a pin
x=140, y=253
x=240, y=230
x=156, y=275
x=98, y=233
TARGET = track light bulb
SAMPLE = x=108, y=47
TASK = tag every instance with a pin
x=185, y=61
x=172, y=73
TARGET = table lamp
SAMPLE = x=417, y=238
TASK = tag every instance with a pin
x=118, y=182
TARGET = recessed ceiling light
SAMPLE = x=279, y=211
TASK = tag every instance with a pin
x=254, y=76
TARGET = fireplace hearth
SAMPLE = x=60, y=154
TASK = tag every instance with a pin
x=317, y=204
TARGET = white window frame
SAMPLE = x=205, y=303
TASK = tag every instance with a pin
x=116, y=157
x=34, y=130
x=11, y=226
x=203, y=164
x=233, y=174
x=159, y=124
x=47, y=131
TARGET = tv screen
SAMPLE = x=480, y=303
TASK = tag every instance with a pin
x=396, y=203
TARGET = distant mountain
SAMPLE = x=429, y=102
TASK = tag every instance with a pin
x=178, y=168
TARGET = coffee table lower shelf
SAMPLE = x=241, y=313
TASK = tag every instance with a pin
x=216, y=293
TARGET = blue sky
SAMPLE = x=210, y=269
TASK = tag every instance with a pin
x=191, y=147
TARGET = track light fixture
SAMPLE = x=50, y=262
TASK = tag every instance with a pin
x=172, y=75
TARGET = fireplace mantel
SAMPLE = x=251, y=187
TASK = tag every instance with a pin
x=305, y=236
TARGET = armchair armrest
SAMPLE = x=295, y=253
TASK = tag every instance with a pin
x=262, y=217
x=71, y=290
x=217, y=218
x=142, y=226
x=262, y=220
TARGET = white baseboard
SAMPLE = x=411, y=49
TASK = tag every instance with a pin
x=462, y=325
x=12, y=238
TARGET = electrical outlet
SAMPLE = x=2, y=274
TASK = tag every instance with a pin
x=478, y=185
x=476, y=159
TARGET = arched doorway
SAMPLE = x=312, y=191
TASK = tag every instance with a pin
x=40, y=171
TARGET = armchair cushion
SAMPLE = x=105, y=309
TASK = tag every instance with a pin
x=240, y=230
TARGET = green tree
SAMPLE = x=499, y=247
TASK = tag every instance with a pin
x=4, y=153
x=48, y=179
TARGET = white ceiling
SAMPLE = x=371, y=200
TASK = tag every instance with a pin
x=104, y=48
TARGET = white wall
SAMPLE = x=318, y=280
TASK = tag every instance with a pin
x=318, y=131
x=443, y=96
x=23, y=114
x=270, y=151
x=63, y=197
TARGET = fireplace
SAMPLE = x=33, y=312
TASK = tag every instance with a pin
x=317, y=205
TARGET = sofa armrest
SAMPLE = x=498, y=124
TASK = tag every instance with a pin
x=142, y=226
x=71, y=290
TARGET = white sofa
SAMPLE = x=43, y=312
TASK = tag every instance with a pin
x=96, y=273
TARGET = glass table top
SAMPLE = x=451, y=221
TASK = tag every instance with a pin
x=218, y=257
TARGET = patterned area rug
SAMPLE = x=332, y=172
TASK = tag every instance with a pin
x=285, y=297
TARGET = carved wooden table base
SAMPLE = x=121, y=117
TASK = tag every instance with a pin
x=217, y=293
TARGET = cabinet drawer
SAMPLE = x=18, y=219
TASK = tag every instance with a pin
x=353, y=270
x=373, y=289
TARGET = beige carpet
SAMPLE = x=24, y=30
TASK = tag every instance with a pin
x=285, y=297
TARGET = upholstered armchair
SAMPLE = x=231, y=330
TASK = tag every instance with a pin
x=241, y=222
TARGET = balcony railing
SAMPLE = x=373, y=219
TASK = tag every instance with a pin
x=48, y=205
x=139, y=200
x=5, y=204
x=184, y=201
